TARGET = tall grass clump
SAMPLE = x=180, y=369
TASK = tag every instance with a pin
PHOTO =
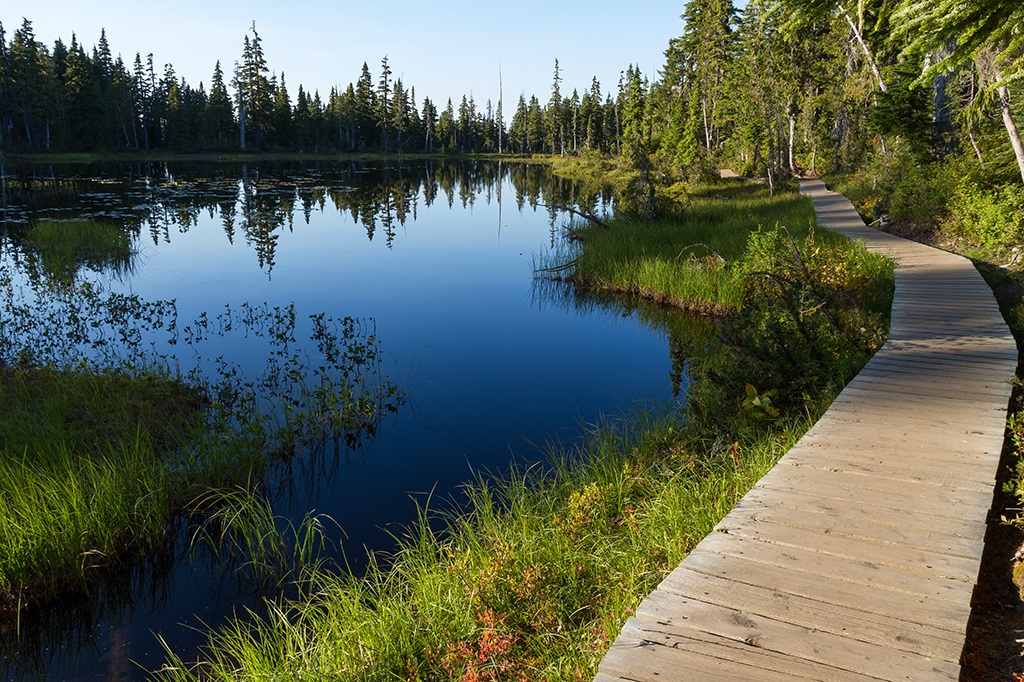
x=686, y=259
x=60, y=248
x=82, y=476
x=533, y=574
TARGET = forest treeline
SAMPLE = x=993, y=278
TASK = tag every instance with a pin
x=67, y=98
x=780, y=86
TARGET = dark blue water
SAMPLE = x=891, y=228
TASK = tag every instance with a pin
x=441, y=257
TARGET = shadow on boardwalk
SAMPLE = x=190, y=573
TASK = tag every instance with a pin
x=855, y=558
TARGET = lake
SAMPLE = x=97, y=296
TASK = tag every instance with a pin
x=440, y=257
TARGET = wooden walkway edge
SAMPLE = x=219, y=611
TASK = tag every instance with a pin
x=856, y=556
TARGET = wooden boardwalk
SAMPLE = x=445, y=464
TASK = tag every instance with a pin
x=855, y=558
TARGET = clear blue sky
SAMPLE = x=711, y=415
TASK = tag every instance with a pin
x=445, y=49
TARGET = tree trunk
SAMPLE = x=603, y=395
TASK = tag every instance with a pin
x=792, y=135
x=1011, y=127
x=707, y=129
x=867, y=52
x=241, y=121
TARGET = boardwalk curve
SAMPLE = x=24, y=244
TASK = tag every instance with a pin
x=856, y=556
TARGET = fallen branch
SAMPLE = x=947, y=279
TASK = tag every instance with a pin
x=586, y=216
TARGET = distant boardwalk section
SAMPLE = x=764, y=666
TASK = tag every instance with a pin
x=856, y=556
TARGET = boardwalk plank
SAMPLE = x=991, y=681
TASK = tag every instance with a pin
x=839, y=571
x=782, y=606
x=809, y=644
x=816, y=539
x=961, y=528
x=916, y=608
x=876, y=530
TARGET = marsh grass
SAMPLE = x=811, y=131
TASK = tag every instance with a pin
x=264, y=552
x=691, y=260
x=531, y=580
x=77, y=445
x=61, y=248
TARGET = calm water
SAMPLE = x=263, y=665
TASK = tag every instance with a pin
x=441, y=257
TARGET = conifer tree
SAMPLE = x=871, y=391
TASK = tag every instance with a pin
x=282, y=120
x=555, y=117
x=986, y=32
x=384, y=122
x=253, y=94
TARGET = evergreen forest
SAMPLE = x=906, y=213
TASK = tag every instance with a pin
x=772, y=89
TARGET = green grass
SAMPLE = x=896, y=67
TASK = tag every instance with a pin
x=82, y=482
x=692, y=260
x=533, y=577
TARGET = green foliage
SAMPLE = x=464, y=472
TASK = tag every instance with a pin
x=813, y=312
x=917, y=192
x=991, y=217
x=256, y=547
x=956, y=197
x=904, y=111
x=978, y=25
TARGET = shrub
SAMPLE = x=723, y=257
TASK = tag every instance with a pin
x=918, y=193
x=992, y=218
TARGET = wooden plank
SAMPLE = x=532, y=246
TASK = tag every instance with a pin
x=765, y=529
x=905, y=423
x=870, y=378
x=876, y=530
x=916, y=608
x=779, y=605
x=955, y=410
x=839, y=571
x=924, y=397
x=881, y=447
x=902, y=361
x=659, y=619
x=667, y=653
x=962, y=528
x=891, y=480
x=959, y=478
x=846, y=494
x=985, y=445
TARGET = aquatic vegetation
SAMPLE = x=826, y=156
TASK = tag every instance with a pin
x=105, y=439
x=59, y=248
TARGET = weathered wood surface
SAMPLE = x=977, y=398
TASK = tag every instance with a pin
x=855, y=558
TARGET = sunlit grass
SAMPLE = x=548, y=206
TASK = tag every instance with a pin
x=690, y=260
x=82, y=479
